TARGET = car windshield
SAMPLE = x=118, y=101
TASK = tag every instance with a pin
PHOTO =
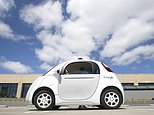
x=55, y=68
x=48, y=71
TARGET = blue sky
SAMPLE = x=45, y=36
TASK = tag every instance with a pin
x=37, y=35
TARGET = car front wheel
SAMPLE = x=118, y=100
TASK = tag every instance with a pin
x=44, y=100
x=111, y=99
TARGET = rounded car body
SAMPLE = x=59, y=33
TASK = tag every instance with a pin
x=77, y=82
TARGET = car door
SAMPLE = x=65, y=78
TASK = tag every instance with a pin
x=78, y=80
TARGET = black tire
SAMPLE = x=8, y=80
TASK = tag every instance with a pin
x=111, y=99
x=100, y=107
x=55, y=107
x=44, y=100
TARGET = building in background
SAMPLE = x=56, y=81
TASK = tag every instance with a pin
x=17, y=85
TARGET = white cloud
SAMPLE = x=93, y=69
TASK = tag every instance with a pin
x=78, y=37
x=144, y=52
x=45, y=66
x=133, y=33
x=52, y=50
x=103, y=17
x=6, y=31
x=114, y=27
x=44, y=15
x=15, y=66
x=5, y=6
x=57, y=47
x=129, y=22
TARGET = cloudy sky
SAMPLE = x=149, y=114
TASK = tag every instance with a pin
x=35, y=35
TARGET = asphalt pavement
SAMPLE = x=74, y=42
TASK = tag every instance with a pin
x=124, y=110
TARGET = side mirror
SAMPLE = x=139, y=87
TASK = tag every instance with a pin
x=58, y=71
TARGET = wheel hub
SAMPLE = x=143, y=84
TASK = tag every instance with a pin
x=111, y=99
x=44, y=100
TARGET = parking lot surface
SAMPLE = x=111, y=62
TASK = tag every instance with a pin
x=124, y=110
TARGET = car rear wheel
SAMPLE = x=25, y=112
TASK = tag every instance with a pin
x=44, y=100
x=111, y=99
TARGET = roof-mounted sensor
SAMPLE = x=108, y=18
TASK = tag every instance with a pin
x=80, y=58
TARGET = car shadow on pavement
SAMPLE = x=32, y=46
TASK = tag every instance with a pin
x=79, y=109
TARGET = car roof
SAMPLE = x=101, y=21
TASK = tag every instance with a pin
x=80, y=59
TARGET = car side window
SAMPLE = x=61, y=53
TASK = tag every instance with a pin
x=78, y=68
x=82, y=68
x=96, y=69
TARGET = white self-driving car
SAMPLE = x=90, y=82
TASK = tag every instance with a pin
x=77, y=82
